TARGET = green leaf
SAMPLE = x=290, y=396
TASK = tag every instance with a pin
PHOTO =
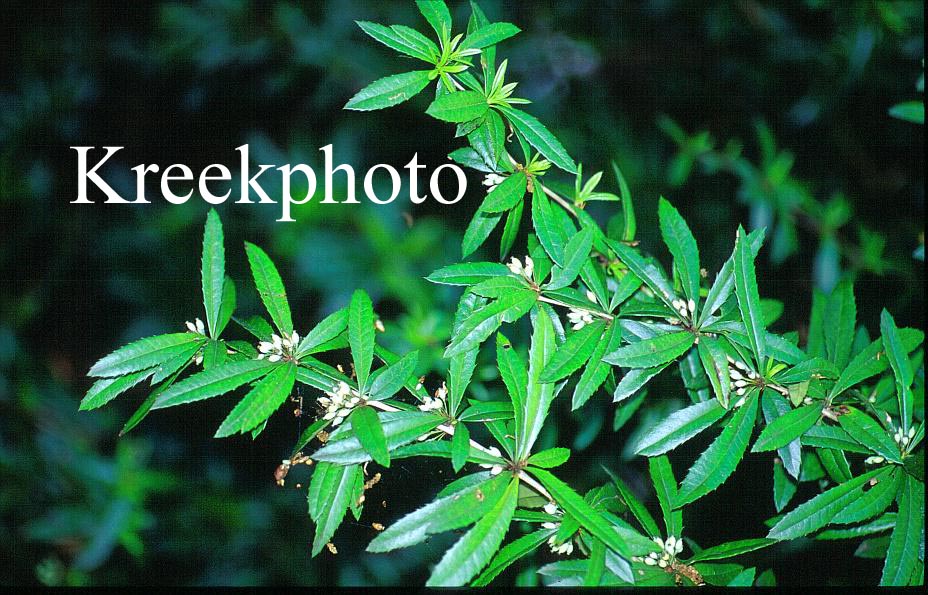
x=330, y=494
x=786, y=428
x=144, y=354
x=634, y=380
x=490, y=35
x=361, y=335
x=868, y=432
x=874, y=501
x=597, y=371
x=682, y=246
x=506, y=195
x=510, y=554
x=635, y=506
x=719, y=461
x=731, y=549
x=453, y=511
x=819, y=511
x=840, y=319
x=475, y=549
x=665, y=487
x=871, y=360
x=574, y=352
x=678, y=428
x=651, y=352
x=402, y=39
x=541, y=138
x=905, y=544
x=469, y=273
x=629, y=226
x=213, y=382
x=389, y=91
x=484, y=321
x=550, y=458
x=512, y=370
x=538, y=395
x=910, y=111
x=106, y=389
x=228, y=305
x=213, y=271
x=576, y=254
x=460, y=106
x=511, y=229
x=725, y=281
x=367, y=428
x=460, y=446
x=264, y=399
x=588, y=517
x=328, y=328
x=270, y=288
x=477, y=232
x=644, y=270
x=896, y=353
x=389, y=380
x=714, y=363
x=748, y=298
x=437, y=14
x=399, y=427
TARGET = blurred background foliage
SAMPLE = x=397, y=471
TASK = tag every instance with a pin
x=762, y=112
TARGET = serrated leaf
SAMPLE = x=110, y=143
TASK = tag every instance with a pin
x=460, y=106
x=724, y=283
x=872, y=360
x=477, y=232
x=361, y=335
x=550, y=458
x=731, y=549
x=651, y=352
x=576, y=254
x=665, y=487
x=748, y=298
x=469, y=273
x=896, y=353
x=574, y=352
x=644, y=270
x=506, y=195
x=144, y=354
x=786, y=428
x=437, y=14
x=399, y=427
x=682, y=245
x=510, y=554
x=367, y=428
x=404, y=40
x=484, y=321
x=840, y=319
x=330, y=499
x=719, y=461
x=678, y=428
x=541, y=138
x=460, y=446
x=588, y=517
x=213, y=271
x=868, y=432
x=213, y=382
x=596, y=372
x=261, y=401
x=820, y=510
x=489, y=35
x=328, y=328
x=874, y=501
x=388, y=381
x=906, y=542
x=475, y=549
x=270, y=287
x=389, y=91
x=538, y=395
x=106, y=389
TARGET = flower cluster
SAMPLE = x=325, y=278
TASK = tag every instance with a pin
x=743, y=379
x=491, y=181
x=671, y=547
x=437, y=402
x=580, y=318
x=526, y=271
x=685, y=308
x=198, y=328
x=566, y=548
x=903, y=438
x=339, y=403
x=278, y=348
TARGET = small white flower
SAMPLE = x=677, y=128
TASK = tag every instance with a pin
x=198, y=327
x=491, y=181
x=566, y=548
x=591, y=296
x=495, y=469
x=551, y=508
x=339, y=402
x=691, y=306
x=517, y=268
x=873, y=460
x=579, y=318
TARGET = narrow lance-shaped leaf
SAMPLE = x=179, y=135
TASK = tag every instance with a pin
x=388, y=381
x=725, y=281
x=665, y=487
x=576, y=253
x=399, y=428
x=541, y=138
x=902, y=369
x=678, y=428
x=489, y=35
x=786, y=428
x=530, y=418
x=651, y=352
x=437, y=14
x=460, y=446
x=840, y=319
x=270, y=288
x=213, y=271
x=682, y=246
x=367, y=428
x=748, y=298
x=574, y=352
x=872, y=360
x=510, y=554
x=213, y=382
x=260, y=402
x=719, y=461
x=389, y=91
x=506, y=194
x=328, y=328
x=868, y=432
x=461, y=106
x=475, y=549
x=332, y=498
x=361, y=335
x=415, y=46
x=908, y=535
x=144, y=354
